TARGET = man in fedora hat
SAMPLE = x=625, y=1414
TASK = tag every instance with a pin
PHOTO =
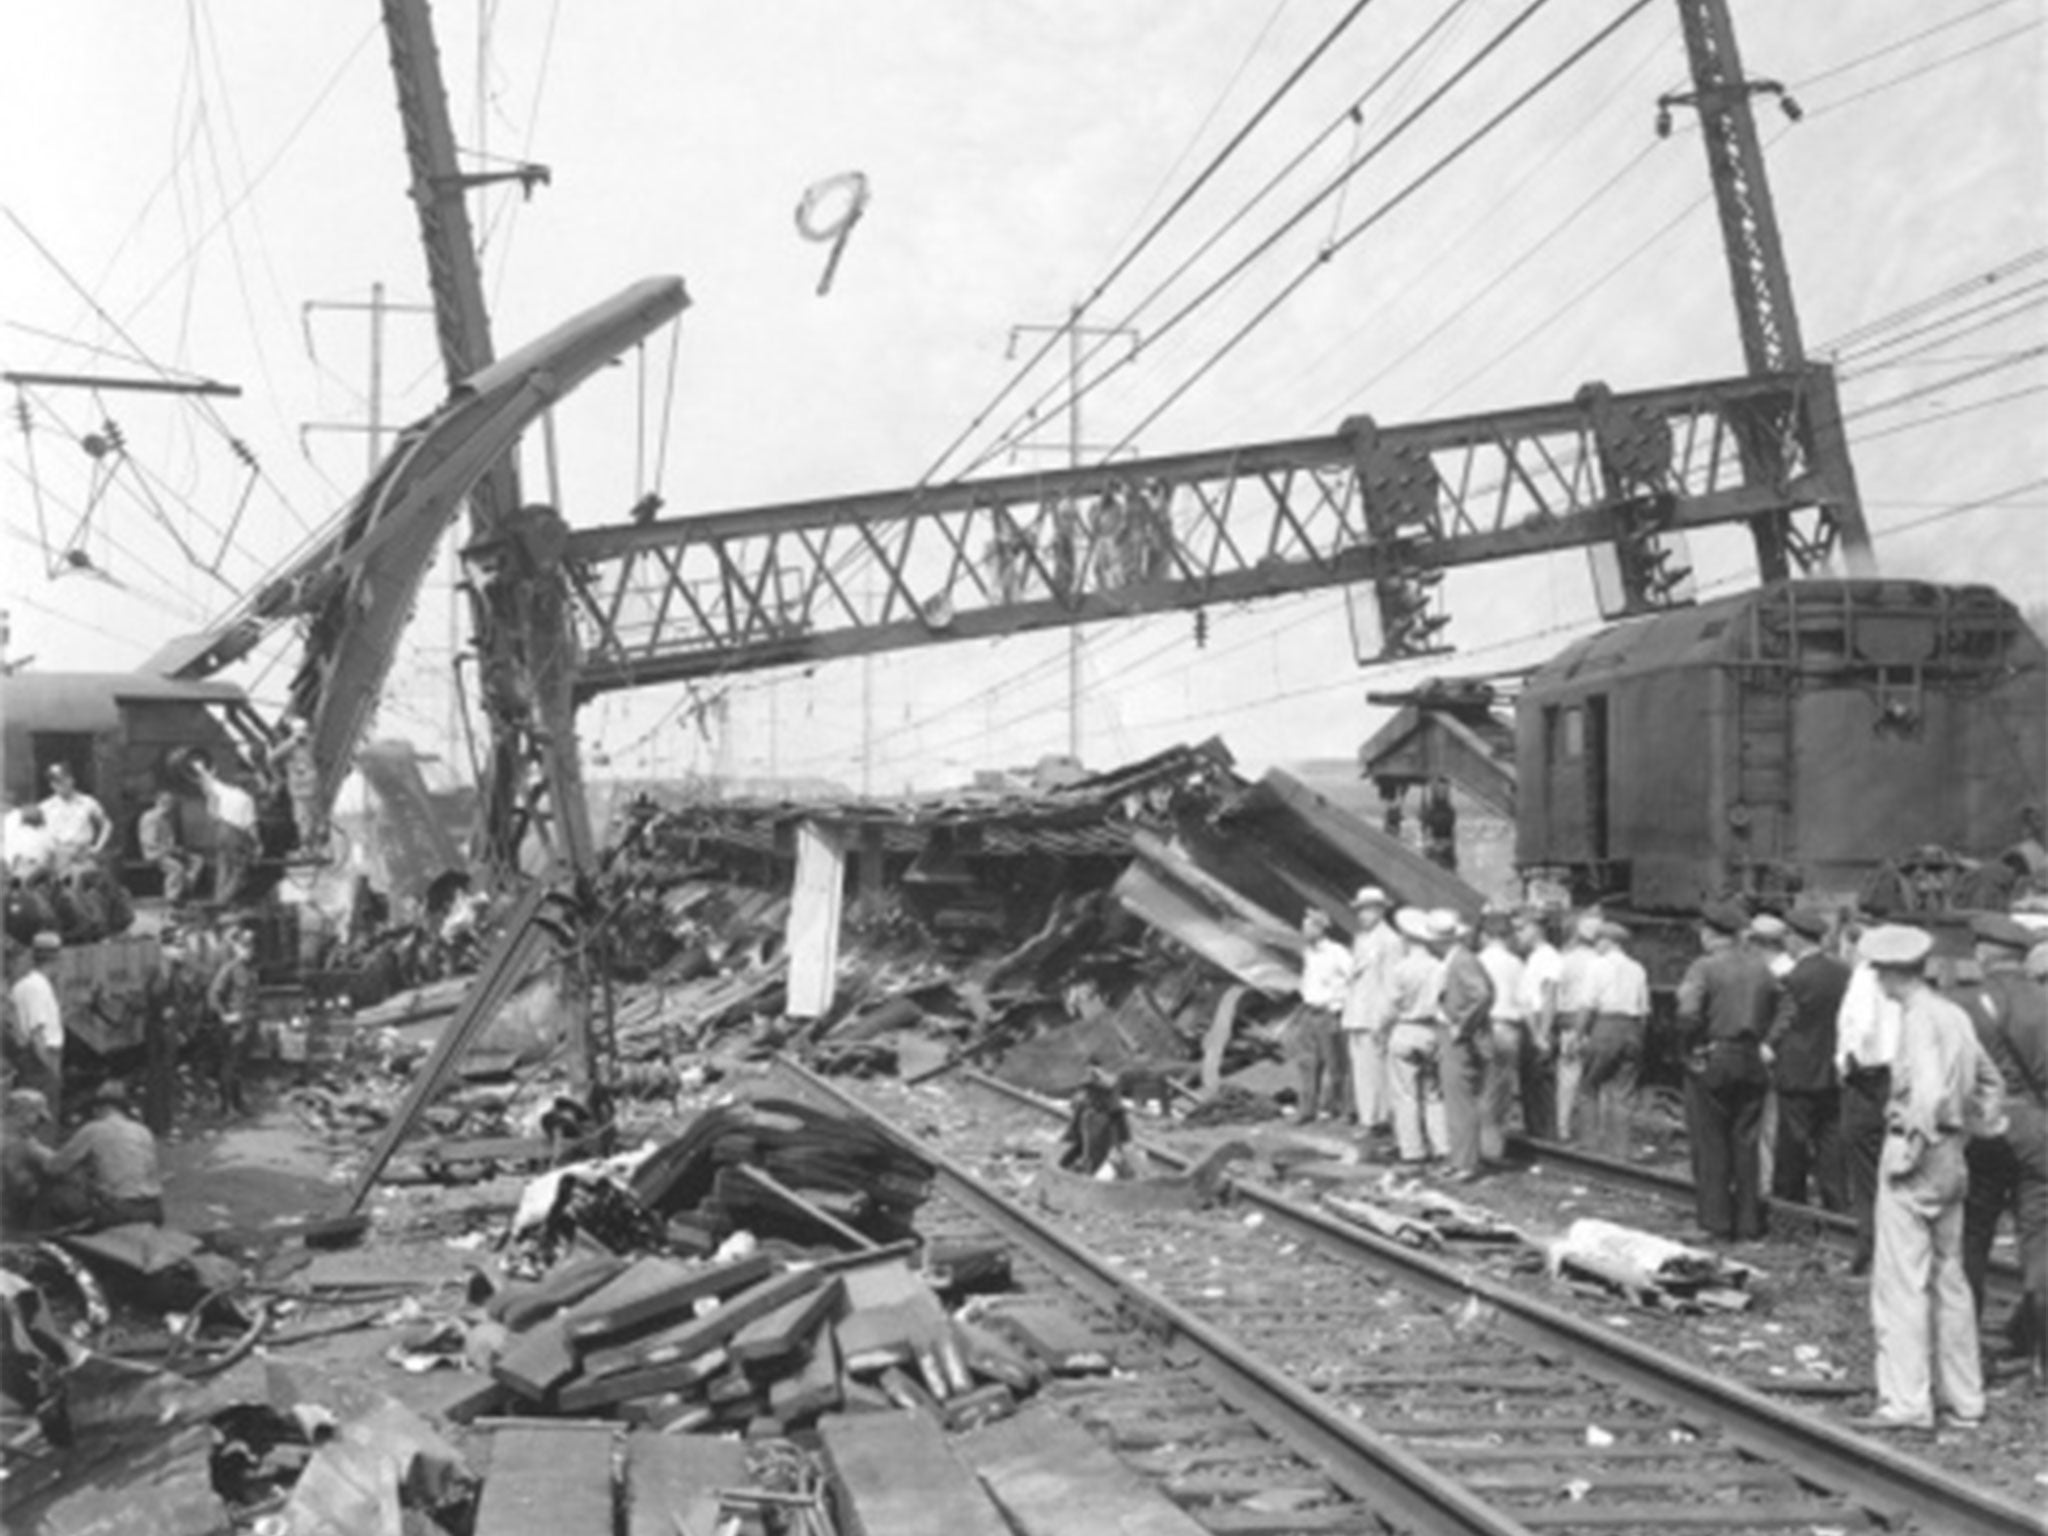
x=1726, y=1002
x=1415, y=1094
x=2009, y=1173
x=1375, y=950
x=1944, y=1090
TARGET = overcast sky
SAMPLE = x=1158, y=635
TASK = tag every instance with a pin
x=183, y=179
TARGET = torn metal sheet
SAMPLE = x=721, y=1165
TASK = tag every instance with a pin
x=1179, y=908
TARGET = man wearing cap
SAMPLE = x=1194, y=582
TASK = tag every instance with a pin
x=38, y=1046
x=1465, y=1051
x=1368, y=1007
x=2010, y=1172
x=1801, y=1051
x=117, y=1160
x=1944, y=1090
x=1576, y=978
x=1510, y=1033
x=1542, y=966
x=1614, y=1045
x=231, y=1000
x=1726, y=1002
x=1415, y=1094
x=1325, y=979
x=1866, y=1038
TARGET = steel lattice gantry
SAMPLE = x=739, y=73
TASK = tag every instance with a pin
x=1624, y=475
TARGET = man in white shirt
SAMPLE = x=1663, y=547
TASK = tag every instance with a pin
x=1866, y=1040
x=1577, y=969
x=38, y=1046
x=1368, y=1006
x=31, y=852
x=1614, y=1048
x=1542, y=967
x=233, y=811
x=1325, y=980
x=1504, y=1073
x=78, y=826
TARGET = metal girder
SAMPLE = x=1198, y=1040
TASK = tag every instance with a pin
x=688, y=597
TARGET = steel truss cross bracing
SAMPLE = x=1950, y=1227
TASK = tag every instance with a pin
x=1388, y=508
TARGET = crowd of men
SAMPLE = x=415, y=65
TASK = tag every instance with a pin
x=1819, y=1063
x=199, y=1016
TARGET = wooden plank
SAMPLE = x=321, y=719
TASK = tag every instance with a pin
x=672, y=1482
x=1067, y=1345
x=699, y=1335
x=788, y=1329
x=816, y=1388
x=764, y=1183
x=646, y=1381
x=812, y=941
x=547, y=1482
x=521, y=1306
x=541, y=1359
x=676, y=1299
x=896, y=1476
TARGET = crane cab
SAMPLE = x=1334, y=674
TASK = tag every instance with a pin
x=121, y=733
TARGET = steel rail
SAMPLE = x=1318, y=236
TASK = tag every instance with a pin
x=1878, y=1476
x=1390, y=1480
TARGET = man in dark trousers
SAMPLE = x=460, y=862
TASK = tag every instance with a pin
x=174, y=1011
x=1725, y=1006
x=231, y=998
x=1802, y=1060
x=2010, y=1172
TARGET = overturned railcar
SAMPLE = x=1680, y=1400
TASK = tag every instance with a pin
x=1808, y=736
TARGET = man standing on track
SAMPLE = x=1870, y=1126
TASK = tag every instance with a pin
x=1375, y=951
x=1802, y=1063
x=1576, y=968
x=1510, y=1031
x=1465, y=1051
x=1415, y=1092
x=1325, y=979
x=1944, y=1090
x=1542, y=966
x=1866, y=1037
x=2010, y=1172
x=1725, y=1006
x=1614, y=1047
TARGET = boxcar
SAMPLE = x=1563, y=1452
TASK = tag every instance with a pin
x=1804, y=736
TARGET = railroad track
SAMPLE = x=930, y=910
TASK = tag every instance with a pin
x=1284, y=1349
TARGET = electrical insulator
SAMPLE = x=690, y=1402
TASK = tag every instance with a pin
x=1201, y=629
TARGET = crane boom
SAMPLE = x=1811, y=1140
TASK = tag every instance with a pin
x=1623, y=475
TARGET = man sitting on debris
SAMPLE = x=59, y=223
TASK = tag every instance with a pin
x=233, y=812
x=78, y=824
x=115, y=1158
x=24, y=1162
x=1098, y=1129
x=1315, y=1038
x=157, y=834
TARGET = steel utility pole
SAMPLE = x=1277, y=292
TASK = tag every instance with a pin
x=377, y=307
x=1074, y=330
x=1762, y=285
